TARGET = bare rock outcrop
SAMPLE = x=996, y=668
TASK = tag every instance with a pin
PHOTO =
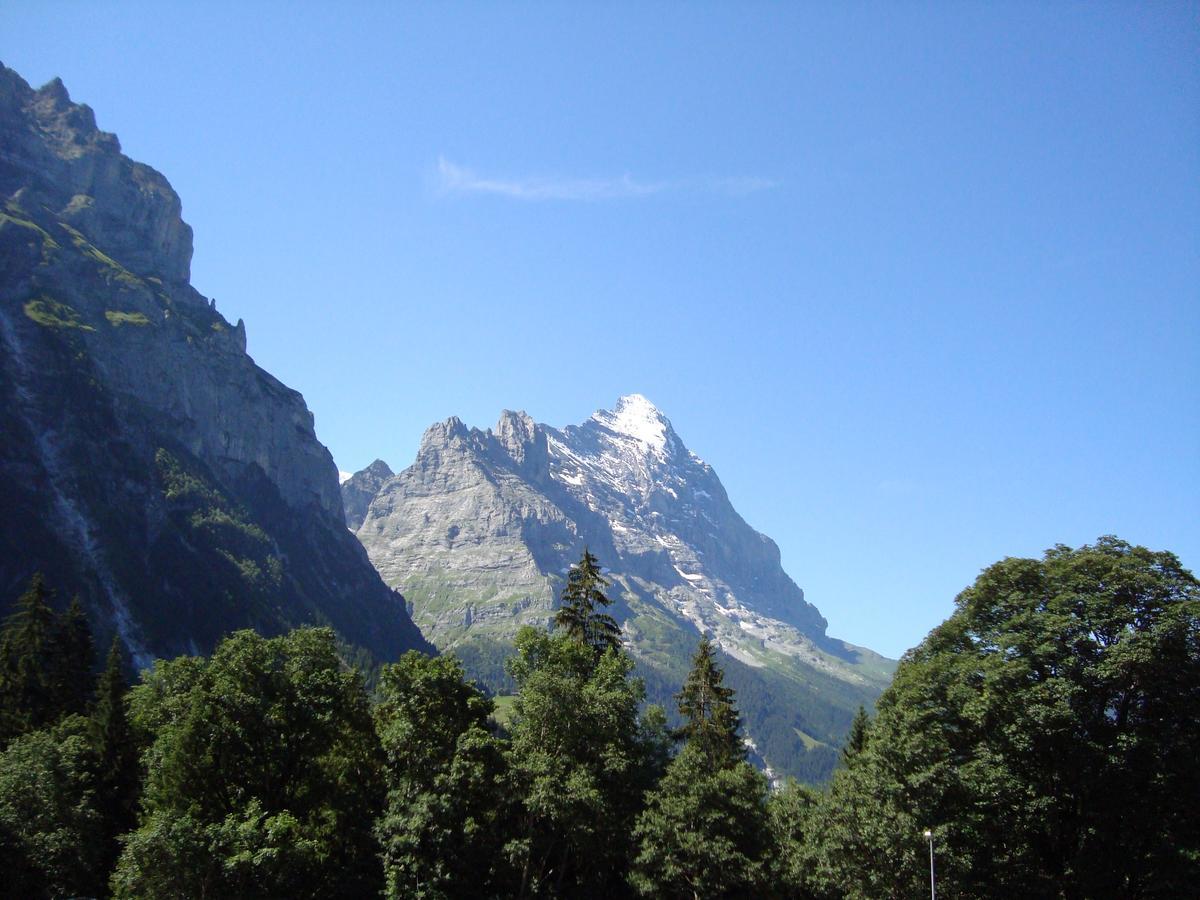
x=359, y=489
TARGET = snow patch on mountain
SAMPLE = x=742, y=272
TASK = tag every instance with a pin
x=481, y=530
x=638, y=418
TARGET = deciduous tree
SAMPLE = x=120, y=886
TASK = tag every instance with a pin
x=51, y=833
x=580, y=763
x=1046, y=733
x=263, y=775
x=444, y=824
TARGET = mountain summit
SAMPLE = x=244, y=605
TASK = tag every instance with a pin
x=636, y=417
x=480, y=531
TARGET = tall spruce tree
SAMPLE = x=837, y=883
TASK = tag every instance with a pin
x=856, y=740
x=45, y=662
x=583, y=600
x=73, y=673
x=711, y=719
x=704, y=831
x=28, y=663
x=117, y=782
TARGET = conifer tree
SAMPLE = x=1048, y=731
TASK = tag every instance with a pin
x=711, y=720
x=27, y=671
x=856, y=740
x=73, y=675
x=703, y=833
x=116, y=754
x=582, y=601
x=45, y=662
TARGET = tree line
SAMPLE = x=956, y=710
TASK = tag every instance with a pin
x=1044, y=736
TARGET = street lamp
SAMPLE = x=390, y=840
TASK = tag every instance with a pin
x=932, y=885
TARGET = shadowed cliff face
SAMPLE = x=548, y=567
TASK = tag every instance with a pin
x=481, y=529
x=148, y=463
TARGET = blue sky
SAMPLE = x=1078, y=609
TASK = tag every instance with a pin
x=921, y=282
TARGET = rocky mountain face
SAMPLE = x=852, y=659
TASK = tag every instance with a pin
x=147, y=463
x=480, y=531
x=360, y=489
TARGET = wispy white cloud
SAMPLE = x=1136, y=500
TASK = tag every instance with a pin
x=456, y=179
x=738, y=186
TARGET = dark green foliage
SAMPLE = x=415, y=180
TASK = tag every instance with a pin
x=774, y=705
x=27, y=646
x=789, y=818
x=580, y=616
x=117, y=776
x=75, y=657
x=580, y=763
x=710, y=717
x=51, y=833
x=262, y=775
x=704, y=832
x=856, y=740
x=45, y=663
x=443, y=828
x=248, y=853
x=1046, y=732
x=656, y=743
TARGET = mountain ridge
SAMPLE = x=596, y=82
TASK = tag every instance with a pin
x=480, y=530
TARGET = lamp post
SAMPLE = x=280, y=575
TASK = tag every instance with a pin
x=932, y=884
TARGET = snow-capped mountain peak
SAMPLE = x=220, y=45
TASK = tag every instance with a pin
x=638, y=418
x=480, y=531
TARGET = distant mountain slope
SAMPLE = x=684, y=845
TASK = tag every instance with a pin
x=479, y=532
x=360, y=489
x=147, y=462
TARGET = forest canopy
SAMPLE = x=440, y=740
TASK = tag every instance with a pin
x=1044, y=735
